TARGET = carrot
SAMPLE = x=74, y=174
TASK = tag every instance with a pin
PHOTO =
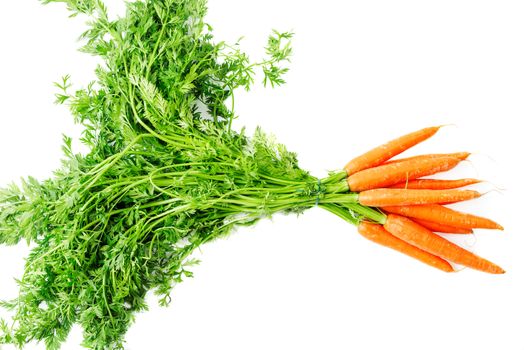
x=460, y=155
x=443, y=215
x=433, y=184
x=438, y=227
x=388, y=150
x=378, y=234
x=391, y=174
x=419, y=236
x=382, y=197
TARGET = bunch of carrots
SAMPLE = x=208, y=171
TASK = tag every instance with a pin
x=414, y=207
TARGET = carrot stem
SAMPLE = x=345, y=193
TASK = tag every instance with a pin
x=340, y=198
x=341, y=212
x=335, y=177
x=369, y=213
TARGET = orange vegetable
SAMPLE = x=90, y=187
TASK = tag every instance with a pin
x=419, y=236
x=378, y=234
x=382, y=197
x=460, y=155
x=433, y=184
x=438, y=227
x=394, y=173
x=443, y=215
x=388, y=150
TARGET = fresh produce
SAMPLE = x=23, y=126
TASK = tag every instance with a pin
x=447, y=216
x=419, y=236
x=432, y=184
x=438, y=227
x=459, y=155
x=385, y=152
x=166, y=173
x=378, y=234
x=380, y=197
x=393, y=173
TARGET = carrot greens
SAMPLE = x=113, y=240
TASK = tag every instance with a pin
x=165, y=173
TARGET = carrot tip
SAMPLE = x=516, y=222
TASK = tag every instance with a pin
x=498, y=271
x=443, y=125
x=450, y=269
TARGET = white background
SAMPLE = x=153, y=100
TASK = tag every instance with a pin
x=362, y=73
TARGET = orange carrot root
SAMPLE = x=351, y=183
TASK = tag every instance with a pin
x=419, y=236
x=392, y=174
x=378, y=234
x=459, y=155
x=438, y=227
x=383, y=197
x=433, y=184
x=414, y=204
x=443, y=215
x=388, y=150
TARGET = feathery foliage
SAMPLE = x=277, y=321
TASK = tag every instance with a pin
x=165, y=173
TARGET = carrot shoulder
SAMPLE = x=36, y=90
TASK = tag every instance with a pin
x=394, y=173
x=446, y=216
x=378, y=234
x=382, y=197
x=388, y=150
x=419, y=236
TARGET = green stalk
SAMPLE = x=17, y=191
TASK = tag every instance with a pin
x=341, y=212
x=369, y=213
